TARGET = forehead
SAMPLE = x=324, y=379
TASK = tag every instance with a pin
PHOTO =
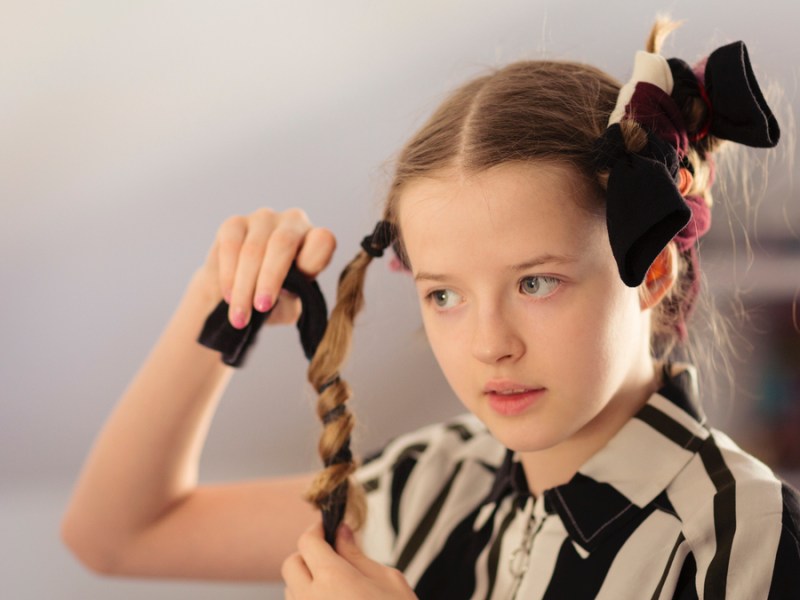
x=500, y=213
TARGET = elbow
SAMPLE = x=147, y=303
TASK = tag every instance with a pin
x=95, y=555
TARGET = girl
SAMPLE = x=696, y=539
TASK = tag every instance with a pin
x=550, y=222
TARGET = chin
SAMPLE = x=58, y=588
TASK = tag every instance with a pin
x=521, y=435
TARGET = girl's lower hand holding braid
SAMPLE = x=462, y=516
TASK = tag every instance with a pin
x=317, y=572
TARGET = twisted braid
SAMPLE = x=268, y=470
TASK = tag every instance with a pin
x=333, y=485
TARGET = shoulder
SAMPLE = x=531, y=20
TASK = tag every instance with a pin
x=433, y=474
x=731, y=503
x=445, y=444
x=786, y=574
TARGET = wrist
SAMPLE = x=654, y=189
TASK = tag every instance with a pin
x=204, y=287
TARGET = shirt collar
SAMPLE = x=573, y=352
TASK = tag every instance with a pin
x=621, y=483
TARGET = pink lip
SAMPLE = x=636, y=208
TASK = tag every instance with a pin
x=511, y=404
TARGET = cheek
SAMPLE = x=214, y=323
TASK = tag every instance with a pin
x=590, y=334
x=449, y=345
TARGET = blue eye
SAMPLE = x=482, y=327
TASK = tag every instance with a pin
x=538, y=286
x=444, y=298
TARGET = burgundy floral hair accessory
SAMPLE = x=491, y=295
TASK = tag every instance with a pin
x=645, y=208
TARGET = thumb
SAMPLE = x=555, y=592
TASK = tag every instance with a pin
x=345, y=541
x=348, y=549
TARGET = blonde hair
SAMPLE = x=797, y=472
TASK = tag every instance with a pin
x=527, y=111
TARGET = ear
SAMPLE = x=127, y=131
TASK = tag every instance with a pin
x=660, y=278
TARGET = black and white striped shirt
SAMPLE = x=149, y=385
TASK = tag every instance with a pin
x=669, y=508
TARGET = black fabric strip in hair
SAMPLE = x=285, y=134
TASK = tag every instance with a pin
x=218, y=333
x=657, y=593
x=426, y=524
x=724, y=519
x=343, y=456
x=333, y=512
x=329, y=383
x=334, y=414
x=375, y=243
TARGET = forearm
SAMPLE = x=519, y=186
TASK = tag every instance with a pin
x=146, y=457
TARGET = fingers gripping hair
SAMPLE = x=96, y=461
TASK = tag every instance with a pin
x=334, y=443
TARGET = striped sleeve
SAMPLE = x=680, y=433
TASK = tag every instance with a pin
x=786, y=576
x=408, y=485
x=744, y=539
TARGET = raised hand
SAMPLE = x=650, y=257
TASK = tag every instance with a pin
x=251, y=256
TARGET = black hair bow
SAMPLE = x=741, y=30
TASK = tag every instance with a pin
x=644, y=208
x=737, y=109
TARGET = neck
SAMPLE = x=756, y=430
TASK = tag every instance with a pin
x=554, y=466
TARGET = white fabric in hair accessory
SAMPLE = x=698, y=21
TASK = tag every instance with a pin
x=648, y=67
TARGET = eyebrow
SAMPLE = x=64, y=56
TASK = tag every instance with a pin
x=544, y=259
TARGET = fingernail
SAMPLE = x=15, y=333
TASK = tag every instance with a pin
x=263, y=302
x=345, y=532
x=238, y=318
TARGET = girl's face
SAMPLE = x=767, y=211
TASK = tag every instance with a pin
x=523, y=305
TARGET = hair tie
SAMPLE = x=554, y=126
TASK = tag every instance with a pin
x=382, y=236
x=234, y=344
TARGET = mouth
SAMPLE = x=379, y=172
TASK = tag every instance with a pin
x=511, y=399
x=506, y=387
x=512, y=392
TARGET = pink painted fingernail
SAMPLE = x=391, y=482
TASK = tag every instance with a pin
x=346, y=533
x=263, y=302
x=238, y=318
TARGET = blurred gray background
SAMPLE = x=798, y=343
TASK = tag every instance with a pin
x=130, y=130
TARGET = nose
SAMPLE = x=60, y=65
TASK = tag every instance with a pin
x=496, y=338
